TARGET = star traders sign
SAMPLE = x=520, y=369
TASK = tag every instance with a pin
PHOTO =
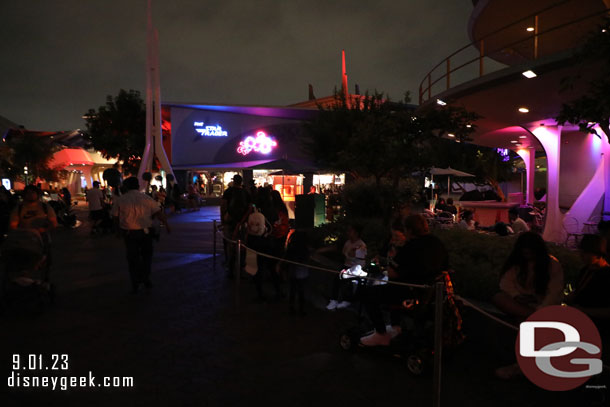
x=210, y=131
x=260, y=144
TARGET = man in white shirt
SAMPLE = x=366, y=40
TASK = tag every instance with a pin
x=95, y=198
x=517, y=224
x=134, y=212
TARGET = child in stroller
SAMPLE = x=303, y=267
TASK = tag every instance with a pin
x=24, y=275
x=26, y=252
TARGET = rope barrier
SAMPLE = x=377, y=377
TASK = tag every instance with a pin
x=325, y=269
x=487, y=314
x=464, y=301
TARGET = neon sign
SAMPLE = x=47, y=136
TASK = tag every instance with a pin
x=259, y=144
x=210, y=131
x=503, y=153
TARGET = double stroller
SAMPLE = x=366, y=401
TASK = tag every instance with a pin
x=24, y=271
x=414, y=345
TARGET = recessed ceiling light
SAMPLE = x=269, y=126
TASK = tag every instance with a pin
x=440, y=102
x=529, y=74
x=450, y=135
x=524, y=109
x=523, y=136
x=514, y=141
x=529, y=29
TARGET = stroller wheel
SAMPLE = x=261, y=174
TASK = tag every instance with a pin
x=346, y=341
x=415, y=364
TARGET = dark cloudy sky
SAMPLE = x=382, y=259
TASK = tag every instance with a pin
x=61, y=57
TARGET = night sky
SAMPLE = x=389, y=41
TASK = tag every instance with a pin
x=62, y=57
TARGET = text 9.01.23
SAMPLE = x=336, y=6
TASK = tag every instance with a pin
x=40, y=362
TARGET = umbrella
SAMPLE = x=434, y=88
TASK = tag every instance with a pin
x=288, y=166
x=448, y=172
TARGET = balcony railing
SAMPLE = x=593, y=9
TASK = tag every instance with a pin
x=461, y=66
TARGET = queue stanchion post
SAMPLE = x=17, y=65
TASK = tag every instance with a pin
x=439, y=289
x=237, y=271
x=214, y=244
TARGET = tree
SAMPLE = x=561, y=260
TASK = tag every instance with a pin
x=118, y=128
x=593, y=107
x=372, y=136
x=27, y=150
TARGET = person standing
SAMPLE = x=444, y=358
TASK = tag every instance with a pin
x=134, y=212
x=95, y=198
x=112, y=176
x=233, y=209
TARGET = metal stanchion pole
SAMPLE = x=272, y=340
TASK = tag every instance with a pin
x=214, y=244
x=237, y=271
x=438, y=342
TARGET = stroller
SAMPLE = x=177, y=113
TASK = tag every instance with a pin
x=24, y=272
x=415, y=344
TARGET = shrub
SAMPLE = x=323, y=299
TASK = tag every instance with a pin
x=478, y=258
x=363, y=199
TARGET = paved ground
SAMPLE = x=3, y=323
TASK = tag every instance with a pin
x=187, y=343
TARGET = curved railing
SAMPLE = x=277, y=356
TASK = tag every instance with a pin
x=436, y=77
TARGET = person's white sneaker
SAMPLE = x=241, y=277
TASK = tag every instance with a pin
x=376, y=339
x=332, y=305
x=343, y=304
x=394, y=331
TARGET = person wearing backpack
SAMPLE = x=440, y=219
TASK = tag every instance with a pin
x=233, y=210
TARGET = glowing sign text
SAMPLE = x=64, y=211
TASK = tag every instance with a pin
x=259, y=144
x=503, y=153
x=210, y=131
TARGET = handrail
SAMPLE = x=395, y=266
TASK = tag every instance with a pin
x=483, y=53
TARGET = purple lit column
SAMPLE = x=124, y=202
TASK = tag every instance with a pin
x=550, y=138
x=606, y=164
x=529, y=158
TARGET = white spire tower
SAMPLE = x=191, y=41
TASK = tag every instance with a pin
x=154, y=139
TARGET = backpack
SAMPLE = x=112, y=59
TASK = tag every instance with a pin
x=257, y=223
x=238, y=204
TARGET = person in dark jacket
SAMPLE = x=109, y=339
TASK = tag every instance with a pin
x=421, y=260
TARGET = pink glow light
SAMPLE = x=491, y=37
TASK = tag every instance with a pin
x=261, y=144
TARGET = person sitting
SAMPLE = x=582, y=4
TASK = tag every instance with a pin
x=450, y=207
x=530, y=279
x=517, y=224
x=354, y=252
x=33, y=214
x=440, y=205
x=589, y=293
x=420, y=261
x=467, y=222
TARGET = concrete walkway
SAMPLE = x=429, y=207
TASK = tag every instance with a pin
x=186, y=343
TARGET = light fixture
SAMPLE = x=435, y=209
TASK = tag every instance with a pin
x=469, y=125
x=440, y=102
x=523, y=136
x=529, y=74
x=529, y=29
x=450, y=135
x=514, y=141
x=524, y=109
x=603, y=30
